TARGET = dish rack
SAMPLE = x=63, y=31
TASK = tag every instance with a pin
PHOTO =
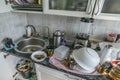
x=32, y=7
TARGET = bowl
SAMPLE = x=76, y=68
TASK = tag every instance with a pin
x=87, y=58
x=38, y=56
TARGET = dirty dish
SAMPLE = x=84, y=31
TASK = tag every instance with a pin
x=87, y=58
x=38, y=56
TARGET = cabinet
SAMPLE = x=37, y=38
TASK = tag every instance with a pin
x=98, y=9
x=76, y=8
x=25, y=6
x=107, y=9
x=45, y=73
x=4, y=7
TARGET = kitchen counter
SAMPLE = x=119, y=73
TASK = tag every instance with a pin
x=47, y=64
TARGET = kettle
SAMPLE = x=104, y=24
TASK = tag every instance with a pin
x=57, y=36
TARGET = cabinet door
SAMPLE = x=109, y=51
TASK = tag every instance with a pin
x=45, y=73
x=5, y=70
x=107, y=9
x=76, y=8
x=4, y=7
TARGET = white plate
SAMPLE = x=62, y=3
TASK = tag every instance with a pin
x=38, y=53
x=87, y=58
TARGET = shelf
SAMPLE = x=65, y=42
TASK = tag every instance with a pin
x=34, y=8
x=26, y=11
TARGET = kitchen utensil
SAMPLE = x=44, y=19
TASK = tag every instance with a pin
x=87, y=58
x=38, y=56
x=104, y=68
x=115, y=72
x=57, y=35
x=24, y=68
x=61, y=52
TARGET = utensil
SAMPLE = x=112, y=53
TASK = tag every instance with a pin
x=38, y=56
x=115, y=72
x=57, y=35
x=61, y=52
x=87, y=58
x=24, y=68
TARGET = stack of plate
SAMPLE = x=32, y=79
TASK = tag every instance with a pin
x=87, y=59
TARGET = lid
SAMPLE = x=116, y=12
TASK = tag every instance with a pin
x=58, y=33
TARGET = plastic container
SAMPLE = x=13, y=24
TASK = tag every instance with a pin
x=61, y=52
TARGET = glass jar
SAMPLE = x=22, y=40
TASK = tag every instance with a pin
x=115, y=72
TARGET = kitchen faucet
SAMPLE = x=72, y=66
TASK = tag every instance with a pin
x=30, y=30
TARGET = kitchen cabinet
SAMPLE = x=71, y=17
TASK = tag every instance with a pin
x=75, y=8
x=98, y=9
x=4, y=7
x=45, y=73
x=107, y=9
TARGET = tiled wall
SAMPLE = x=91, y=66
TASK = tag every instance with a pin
x=12, y=25
x=72, y=25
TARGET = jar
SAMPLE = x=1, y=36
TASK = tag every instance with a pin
x=115, y=72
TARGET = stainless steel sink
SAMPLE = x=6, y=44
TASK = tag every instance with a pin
x=30, y=45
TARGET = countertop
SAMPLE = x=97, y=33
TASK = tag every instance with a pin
x=47, y=64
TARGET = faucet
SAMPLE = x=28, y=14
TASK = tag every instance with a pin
x=30, y=30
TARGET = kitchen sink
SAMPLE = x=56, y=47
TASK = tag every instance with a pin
x=30, y=45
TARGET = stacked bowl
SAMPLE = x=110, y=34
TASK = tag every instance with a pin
x=87, y=59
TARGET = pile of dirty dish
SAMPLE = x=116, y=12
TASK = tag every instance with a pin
x=87, y=60
x=84, y=60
